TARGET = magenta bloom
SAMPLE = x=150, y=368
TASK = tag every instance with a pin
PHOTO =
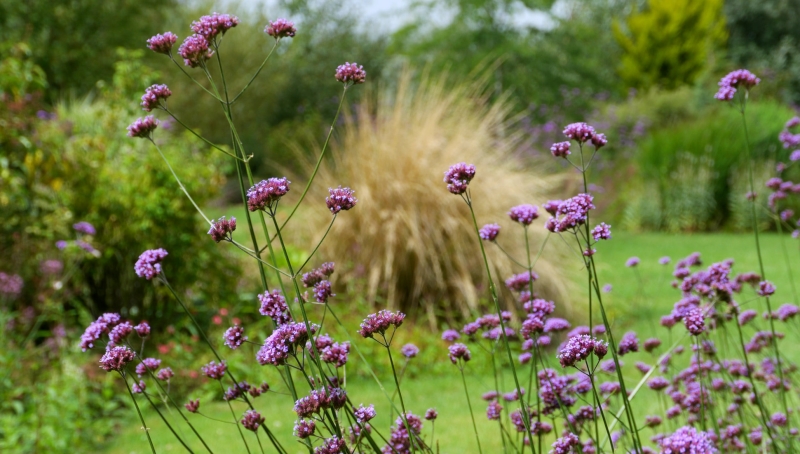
x=222, y=229
x=143, y=127
x=631, y=262
x=84, y=227
x=234, y=337
x=687, y=439
x=489, y=232
x=149, y=264
x=340, y=199
x=266, y=194
x=410, y=350
x=280, y=28
x=116, y=358
x=364, y=414
x=215, y=371
x=459, y=352
x=211, y=26
x=304, y=428
x=120, y=332
x=333, y=445
x=283, y=342
x=165, y=374
x=694, y=322
x=524, y=214
x=380, y=322
x=629, y=343
x=732, y=81
x=431, y=414
x=150, y=364
x=252, y=420
x=273, y=305
x=322, y=291
x=520, y=282
x=162, y=44
x=317, y=275
x=351, y=73
x=195, y=51
x=601, y=232
x=138, y=388
x=580, y=132
x=571, y=213
x=577, y=349
x=765, y=288
x=142, y=329
x=458, y=177
x=152, y=97
x=566, y=444
x=494, y=411
x=560, y=149
x=450, y=335
x=192, y=406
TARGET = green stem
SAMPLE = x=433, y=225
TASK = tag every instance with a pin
x=138, y=411
x=257, y=72
x=471, y=413
x=233, y=414
x=183, y=188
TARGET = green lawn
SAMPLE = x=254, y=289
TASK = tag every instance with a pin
x=639, y=297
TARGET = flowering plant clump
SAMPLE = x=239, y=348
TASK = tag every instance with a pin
x=557, y=385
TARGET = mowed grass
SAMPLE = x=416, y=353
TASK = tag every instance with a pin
x=638, y=298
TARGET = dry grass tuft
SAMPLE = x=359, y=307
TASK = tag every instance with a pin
x=410, y=241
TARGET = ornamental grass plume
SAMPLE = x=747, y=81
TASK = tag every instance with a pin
x=407, y=238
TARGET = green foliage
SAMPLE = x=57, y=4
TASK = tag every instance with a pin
x=764, y=35
x=691, y=173
x=74, y=41
x=669, y=43
x=81, y=166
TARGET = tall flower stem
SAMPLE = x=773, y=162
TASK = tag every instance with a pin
x=404, y=416
x=524, y=412
x=761, y=261
x=139, y=412
x=235, y=420
x=169, y=426
x=471, y=413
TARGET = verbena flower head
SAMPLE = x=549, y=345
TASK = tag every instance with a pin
x=333, y=445
x=162, y=44
x=150, y=364
x=694, y=322
x=215, y=371
x=431, y=414
x=566, y=444
x=380, y=322
x=234, y=337
x=520, y=282
x=340, y=199
x=211, y=26
x=143, y=127
x=336, y=353
x=664, y=260
x=652, y=344
x=273, y=305
x=364, y=414
x=524, y=214
x=632, y=262
x=252, y=420
x=116, y=358
x=142, y=329
x=560, y=149
x=494, y=411
x=571, y=213
x=458, y=352
x=195, y=51
x=84, y=227
x=580, y=132
x=165, y=374
x=687, y=440
x=489, y=232
x=222, y=229
x=282, y=342
x=732, y=81
x=138, y=388
x=192, y=406
x=765, y=288
x=628, y=344
x=322, y=291
x=148, y=265
x=351, y=73
x=601, y=232
x=280, y=28
x=153, y=95
x=577, y=349
x=318, y=275
x=458, y=177
x=410, y=350
x=120, y=332
x=450, y=335
x=266, y=193
x=304, y=428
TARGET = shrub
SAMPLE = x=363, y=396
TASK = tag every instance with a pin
x=406, y=241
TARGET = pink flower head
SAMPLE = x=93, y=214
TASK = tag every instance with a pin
x=143, y=127
x=580, y=132
x=489, y=232
x=252, y=420
x=195, y=51
x=142, y=329
x=234, y=337
x=380, y=322
x=215, y=371
x=340, y=199
x=458, y=352
x=524, y=214
x=116, y=358
x=149, y=264
x=458, y=177
x=152, y=97
x=273, y=305
x=211, y=26
x=222, y=229
x=601, y=232
x=265, y=194
x=351, y=73
x=732, y=81
x=162, y=44
x=560, y=149
x=192, y=406
x=281, y=28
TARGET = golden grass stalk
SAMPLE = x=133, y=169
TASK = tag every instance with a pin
x=409, y=242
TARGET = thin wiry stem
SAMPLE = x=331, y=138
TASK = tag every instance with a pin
x=139, y=412
x=471, y=413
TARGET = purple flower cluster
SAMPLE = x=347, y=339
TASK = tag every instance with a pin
x=252, y=420
x=489, y=232
x=192, y=406
x=209, y=27
x=732, y=81
x=143, y=127
x=628, y=344
x=582, y=133
x=458, y=352
x=116, y=358
x=215, y=371
x=524, y=214
x=318, y=275
x=280, y=28
x=687, y=439
x=304, y=428
x=458, y=177
x=10, y=285
x=265, y=194
x=340, y=199
x=571, y=213
x=147, y=364
x=195, y=50
x=222, y=229
x=578, y=348
x=351, y=73
x=283, y=342
x=234, y=337
x=273, y=305
x=148, y=265
x=560, y=149
x=84, y=227
x=152, y=97
x=520, y=282
x=162, y=44
x=380, y=322
x=601, y=232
